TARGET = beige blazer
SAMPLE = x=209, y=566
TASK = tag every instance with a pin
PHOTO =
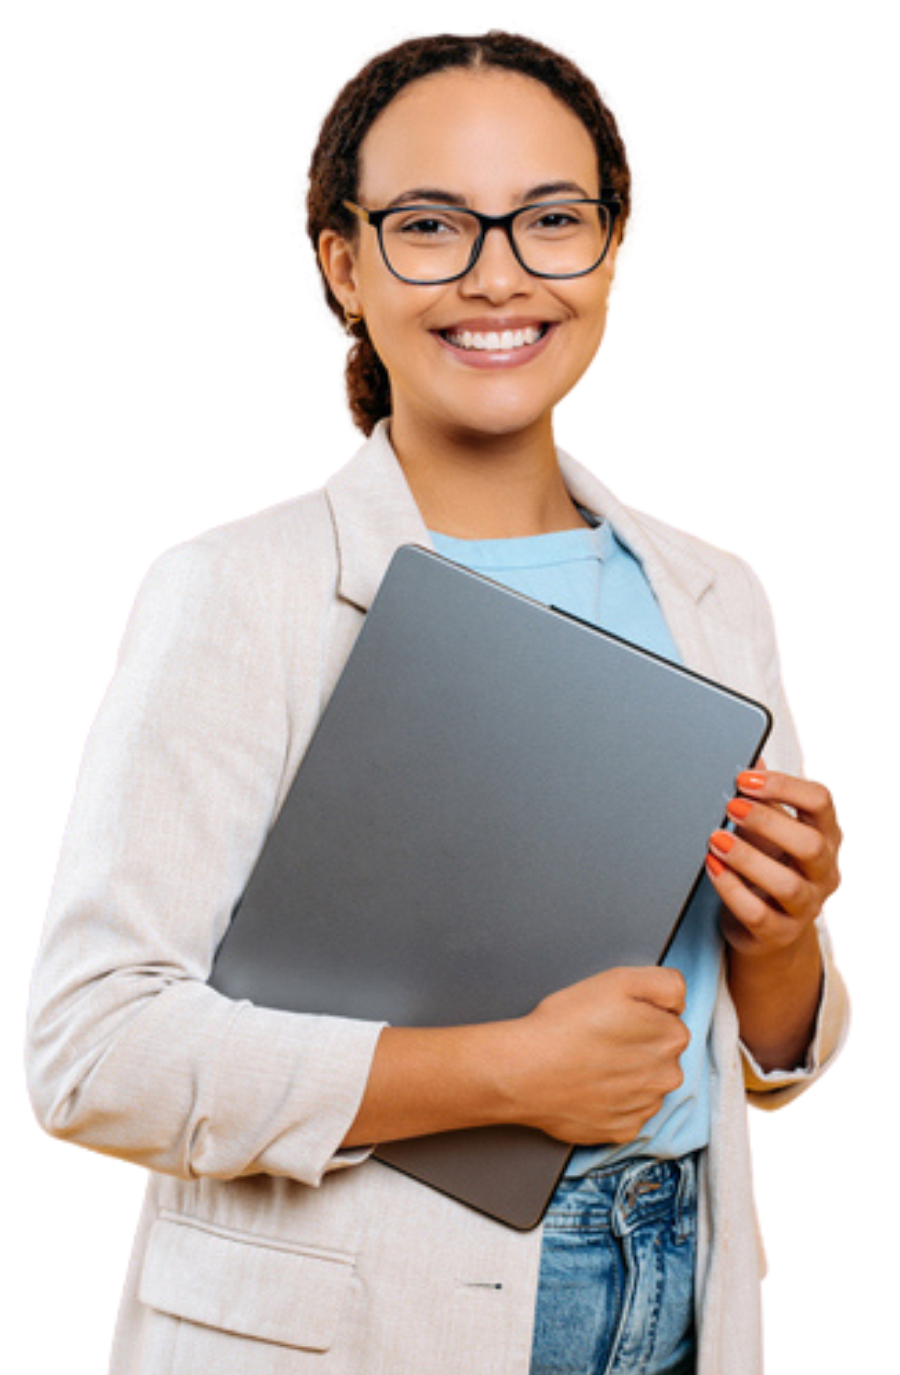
x=263, y=1249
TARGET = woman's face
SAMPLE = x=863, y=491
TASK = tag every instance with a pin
x=491, y=141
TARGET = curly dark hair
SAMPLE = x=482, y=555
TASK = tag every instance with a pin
x=334, y=167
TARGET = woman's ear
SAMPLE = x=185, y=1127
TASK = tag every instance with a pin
x=338, y=262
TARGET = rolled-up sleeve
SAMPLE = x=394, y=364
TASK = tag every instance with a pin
x=129, y=1051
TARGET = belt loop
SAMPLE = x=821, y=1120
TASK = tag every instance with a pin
x=622, y=1212
x=686, y=1198
x=618, y=1213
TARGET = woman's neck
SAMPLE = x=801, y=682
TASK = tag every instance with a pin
x=475, y=486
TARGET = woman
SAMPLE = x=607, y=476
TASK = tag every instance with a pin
x=468, y=199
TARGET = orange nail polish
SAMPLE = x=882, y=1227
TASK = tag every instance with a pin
x=715, y=866
x=751, y=782
x=739, y=808
x=722, y=840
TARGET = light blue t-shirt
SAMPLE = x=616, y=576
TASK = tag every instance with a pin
x=592, y=574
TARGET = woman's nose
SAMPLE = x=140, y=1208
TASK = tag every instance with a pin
x=497, y=273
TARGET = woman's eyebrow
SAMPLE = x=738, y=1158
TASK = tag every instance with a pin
x=431, y=195
x=555, y=188
x=436, y=195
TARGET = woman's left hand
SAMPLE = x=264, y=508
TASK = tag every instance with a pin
x=776, y=870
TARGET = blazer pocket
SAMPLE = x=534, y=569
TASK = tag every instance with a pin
x=244, y=1284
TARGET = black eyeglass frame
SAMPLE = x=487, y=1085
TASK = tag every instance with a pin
x=610, y=200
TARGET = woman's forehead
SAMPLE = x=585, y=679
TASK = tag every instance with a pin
x=477, y=134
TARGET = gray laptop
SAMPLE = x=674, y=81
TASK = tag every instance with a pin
x=499, y=800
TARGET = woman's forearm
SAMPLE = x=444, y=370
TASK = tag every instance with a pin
x=431, y=1079
x=777, y=1000
x=590, y=1063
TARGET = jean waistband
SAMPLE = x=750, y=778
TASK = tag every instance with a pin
x=621, y=1197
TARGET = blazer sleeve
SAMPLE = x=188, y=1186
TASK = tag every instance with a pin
x=129, y=1051
x=773, y=1088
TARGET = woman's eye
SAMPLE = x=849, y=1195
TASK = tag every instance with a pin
x=556, y=219
x=426, y=227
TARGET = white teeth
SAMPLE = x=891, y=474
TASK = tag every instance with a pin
x=493, y=342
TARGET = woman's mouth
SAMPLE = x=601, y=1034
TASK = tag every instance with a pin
x=493, y=341
x=495, y=347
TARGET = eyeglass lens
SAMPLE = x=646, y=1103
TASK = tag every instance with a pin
x=429, y=243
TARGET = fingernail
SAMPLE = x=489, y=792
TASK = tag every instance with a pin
x=750, y=782
x=739, y=808
x=715, y=866
x=722, y=840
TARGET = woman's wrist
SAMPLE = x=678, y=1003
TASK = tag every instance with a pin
x=776, y=994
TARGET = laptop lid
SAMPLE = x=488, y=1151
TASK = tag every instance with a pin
x=499, y=800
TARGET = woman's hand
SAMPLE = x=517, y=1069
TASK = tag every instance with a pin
x=590, y=1063
x=595, y=1060
x=776, y=871
x=774, y=874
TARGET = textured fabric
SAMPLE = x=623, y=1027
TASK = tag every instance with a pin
x=233, y=648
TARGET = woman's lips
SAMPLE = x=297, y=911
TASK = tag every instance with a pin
x=492, y=346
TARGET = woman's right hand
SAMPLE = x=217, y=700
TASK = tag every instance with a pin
x=595, y=1060
x=590, y=1065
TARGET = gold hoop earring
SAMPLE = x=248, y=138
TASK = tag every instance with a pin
x=350, y=319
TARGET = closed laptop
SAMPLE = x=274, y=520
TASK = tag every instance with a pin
x=499, y=800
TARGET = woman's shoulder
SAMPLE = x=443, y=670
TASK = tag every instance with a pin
x=674, y=538
x=260, y=581
x=292, y=532
x=721, y=577
x=290, y=545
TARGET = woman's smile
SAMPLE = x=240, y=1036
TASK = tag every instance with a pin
x=500, y=343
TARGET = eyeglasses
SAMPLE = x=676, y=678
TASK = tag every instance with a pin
x=429, y=245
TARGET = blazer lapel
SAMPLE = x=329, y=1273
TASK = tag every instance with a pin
x=374, y=512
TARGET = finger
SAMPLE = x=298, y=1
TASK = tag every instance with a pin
x=811, y=801
x=781, y=883
x=663, y=987
x=746, y=911
x=805, y=845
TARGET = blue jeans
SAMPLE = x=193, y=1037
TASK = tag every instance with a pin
x=616, y=1287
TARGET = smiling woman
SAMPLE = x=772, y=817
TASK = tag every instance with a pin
x=468, y=198
x=492, y=144
x=333, y=171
